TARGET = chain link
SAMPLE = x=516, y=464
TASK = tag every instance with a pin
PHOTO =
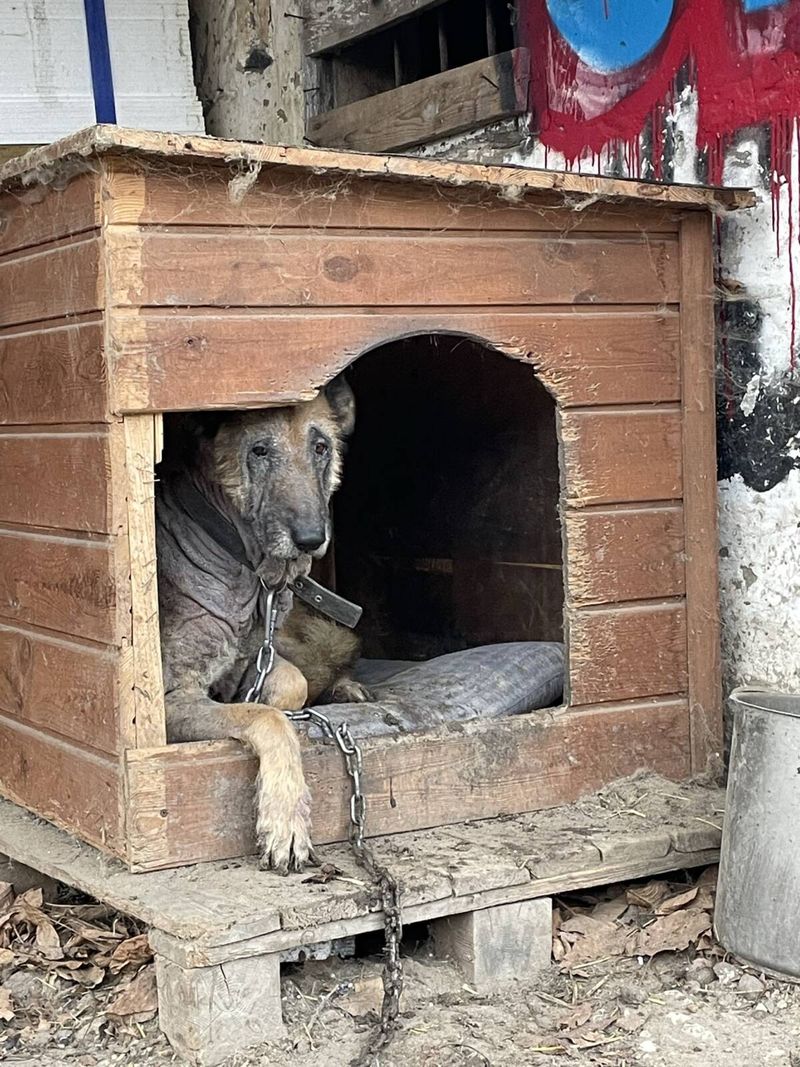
x=384, y=881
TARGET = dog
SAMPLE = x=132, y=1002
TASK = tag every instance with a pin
x=269, y=476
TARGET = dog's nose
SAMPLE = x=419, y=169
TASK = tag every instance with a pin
x=308, y=537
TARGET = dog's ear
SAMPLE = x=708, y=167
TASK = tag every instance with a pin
x=343, y=403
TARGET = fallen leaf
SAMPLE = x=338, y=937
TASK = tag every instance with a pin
x=6, y=1007
x=134, y=952
x=47, y=940
x=31, y=898
x=578, y=1016
x=326, y=873
x=6, y=957
x=630, y=1020
x=647, y=896
x=366, y=996
x=558, y=949
x=583, y=924
x=6, y=895
x=607, y=939
x=611, y=909
x=677, y=900
x=85, y=974
x=670, y=933
x=138, y=1001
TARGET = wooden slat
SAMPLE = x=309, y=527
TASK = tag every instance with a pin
x=621, y=456
x=64, y=280
x=60, y=686
x=65, y=785
x=192, y=801
x=627, y=652
x=624, y=554
x=464, y=98
x=184, y=362
x=700, y=491
x=63, y=584
x=55, y=375
x=318, y=270
x=148, y=684
x=329, y=26
x=56, y=479
x=43, y=213
x=150, y=195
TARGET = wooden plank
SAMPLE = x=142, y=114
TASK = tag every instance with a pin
x=65, y=584
x=700, y=492
x=460, y=99
x=63, y=784
x=624, y=554
x=194, y=801
x=60, y=686
x=628, y=652
x=146, y=194
x=44, y=213
x=57, y=479
x=61, y=280
x=329, y=26
x=171, y=362
x=105, y=140
x=148, y=683
x=55, y=375
x=255, y=270
x=621, y=456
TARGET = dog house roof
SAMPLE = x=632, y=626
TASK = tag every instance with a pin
x=40, y=165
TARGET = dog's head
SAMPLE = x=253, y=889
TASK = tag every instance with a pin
x=279, y=467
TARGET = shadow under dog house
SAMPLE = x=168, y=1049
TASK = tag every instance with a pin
x=143, y=273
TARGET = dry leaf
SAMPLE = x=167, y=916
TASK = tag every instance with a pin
x=6, y=896
x=6, y=957
x=677, y=900
x=85, y=974
x=326, y=873
x=366, y=996
x=611, y=909
x=578, y=1016
x=607, y=939
x=138, y=1001
x=47, y=941
x=647, y=896
x=6, y=1007
x=134, y=951
x=670, y=933
x=558, y=949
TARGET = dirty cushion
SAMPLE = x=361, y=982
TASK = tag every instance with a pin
x=479, y=683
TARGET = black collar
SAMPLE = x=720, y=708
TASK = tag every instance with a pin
x=222, y=531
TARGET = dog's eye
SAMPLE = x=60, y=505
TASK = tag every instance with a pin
x=259, y=450
x=321, y=448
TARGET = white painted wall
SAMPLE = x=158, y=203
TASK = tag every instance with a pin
x=45, y=79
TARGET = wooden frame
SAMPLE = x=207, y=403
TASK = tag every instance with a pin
x=110, y=317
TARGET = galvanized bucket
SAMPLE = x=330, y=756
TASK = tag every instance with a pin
x=757, y=915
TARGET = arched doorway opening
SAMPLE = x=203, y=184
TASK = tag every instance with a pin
x=446, y=525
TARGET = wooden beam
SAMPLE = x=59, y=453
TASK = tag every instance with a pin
x=447, y=103
x=700, y=491
x=331, y=26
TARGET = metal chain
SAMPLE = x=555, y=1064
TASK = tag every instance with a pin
x=383, y=880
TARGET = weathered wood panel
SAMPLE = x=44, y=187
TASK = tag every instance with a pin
x=54, y=479
x=61, y=280
x=60, y=583
x=624, y=554
x=627, y=652
x=171, y=362
x=329, y=26
x=60, y=686
x=621, y=456
x=55, y=375
x=466, y=97
x=192, y=801
x=64, y=784
x=247, y=269
x=700, y=492
x=142, y=194
x=42, y=213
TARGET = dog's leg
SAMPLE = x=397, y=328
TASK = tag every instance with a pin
x=282, y=800
x=325, y=652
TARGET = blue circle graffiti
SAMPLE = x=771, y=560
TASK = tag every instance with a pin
x=610, y=35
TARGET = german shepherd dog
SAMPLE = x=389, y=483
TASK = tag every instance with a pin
x=269, y=474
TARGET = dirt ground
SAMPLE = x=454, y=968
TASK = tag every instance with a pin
x=76, y=987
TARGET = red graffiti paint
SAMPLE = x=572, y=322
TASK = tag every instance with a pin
x=745, y=68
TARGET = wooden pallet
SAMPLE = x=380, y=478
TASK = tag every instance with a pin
x=221, y=930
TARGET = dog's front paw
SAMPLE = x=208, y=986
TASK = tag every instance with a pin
x=349, y=691
x=284, y=838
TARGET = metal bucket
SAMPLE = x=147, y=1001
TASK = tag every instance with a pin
x=757, y=915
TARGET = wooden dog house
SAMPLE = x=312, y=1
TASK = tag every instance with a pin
x=142, y=274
